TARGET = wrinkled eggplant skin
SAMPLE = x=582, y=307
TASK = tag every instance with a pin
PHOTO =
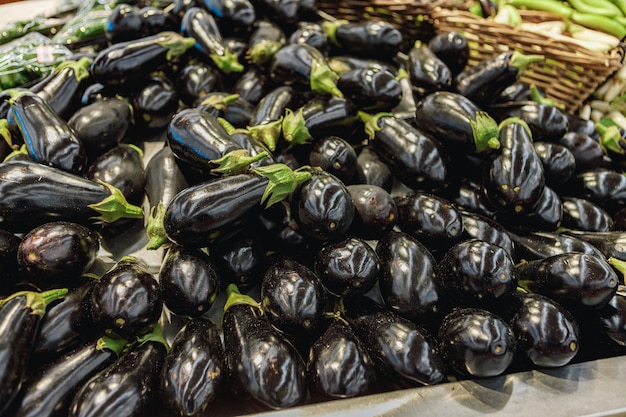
x=406, y=354
x=587, y=151
x=475, y=342
x=197, y=347
x=189, y=282
x=163, y=178
x=408, y=281
x=372, y=170
x=292, y=297
x=371, y=89
x=127, y=300
x=605, y=187
x=427, y=72
x=252, y=85
x=582, y=214
x=375, y=211
x=334, y=155
x=125, y=388
x=350, y=266
x=196, y=80
x=546, y=215
x=558, y=162
x=155, y=103
x=547, y=123
x=313, y=211
x=276, y=381
x=240, y=259
x=19, y=328
x=452, y=48
x=477, y=226
x=122, y=166
x=9, y=244
x=477, y=273
x=49, y=390
x=339, y=365
x=49, y=139
x=547, y=334
x=539, y=245
x=369, y=38
x=483, y=82
x=575, y=280
x=418, y=160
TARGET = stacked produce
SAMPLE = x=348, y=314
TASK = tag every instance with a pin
x=360, y=217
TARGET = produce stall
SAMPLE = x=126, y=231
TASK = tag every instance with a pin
x=291, y=220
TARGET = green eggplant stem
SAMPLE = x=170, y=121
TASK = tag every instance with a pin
x=155, y=335
x=228, y=127
x=485, y=131
x=323, y=79
x=19, y=151
x=79, y=68
x=522, y=61
x=371, y=122
x=235, y=162
x=115, y=206
x=227, y=62
x=263, y=51
x=330, y=28
x=535, y=95
x=619, y=265
x=282, y=181
x=219, y=102
x=294, y=128
x=114, y=344
x=37, y=301
x=155, y=230
x=267, y=133
x=236, y=297
x=610, y=138
x=515, y=120
x=176, y=44
x=5, y=132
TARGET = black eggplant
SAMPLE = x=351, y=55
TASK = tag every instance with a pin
x=230, y=108
x=587, y=151
x=546, y=215
x=372, y=170
x=156, y=19
x=452, y=48
x=470, y=195
x=33, y=194
x=199, y=24
x=602, y=186
x=286, y=13
x=477, y=226
x=371, y=89
x=266, y=367
x=539, y=245
x=312, y=34
x=582, y=214
x=126, y=300
x=196, y=79
x=266, y=39
x=546, y=122
x=334, y=155
x=252, y=85
x=189, y=281
x=125, y=23
x=321, y=116
x=415, y=158
x=237, y=16
x=49, y=139
x=611, y=244
x=20, y=318
x=375, y=211
x=369, y=38
x=427, y=72
x=559, y=163
x=155, y=102
x=49, y=390
x=57, y=253
x=267, y=117
x=194, y=373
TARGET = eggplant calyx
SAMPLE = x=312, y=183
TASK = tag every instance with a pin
x=155, y=230
x=402, y=74
x=515, y=120
x=535, y=95
x=15, y=93
x=115, y=206
x=618, y=264
x=155, y=335
x=235, y=162
x=79, y=68
x=175, y=43
x=228, y=127
x=37, y=301
x=227, y=62
x=323, y=79
x=282, y=182
x=263, y=51
x=294, y=127
x=611, y=139
x=331, y=30
x=219, y=102
x=522, y=61
x=115, y=344
x=5, y=132
x=20, y=151
x=371, y=122
x=485, y=132
x=267, y=133
x=236, y=297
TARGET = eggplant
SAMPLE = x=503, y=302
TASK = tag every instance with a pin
x=127, y=387
x=125, y=23
x=427, y=72
x=546, y=215
x=451, y=48
x=371, y=89
x=286, y=13
x=229, y=107
x=582, y=214
x=252, y=85
x=321, y=116
x=199, y=24
x=57, y=253
x=49, y=390
x=312, y=34
x=196, y=347
x=49, y=139
x=264, y=41
x=156, y=20
x=9, y=244
x=587, y=151
x=267, y=368
x=369, y=38
x=266, y=119
x=371, y=170
x=237, y=16
x=20, y=318
x=334, y=155
x=602, y=186
x=418, y=160
x=375, y=211
x=477, y=226
x=470, y=195
x=539, y=245
x=610, y=244
x=155, y=102
x=196, y=79
x=189, y=281
x=34, y=194
x=546, y=122
x=559, y=163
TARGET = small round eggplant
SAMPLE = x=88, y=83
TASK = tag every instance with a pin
x=252, y=85
x=371, y=89
x=375, y=211
x=237, y=16
x=558, y=162
x=602, y=186
x=427, y=72
x=155, y=103
x=477, y=226
x=452, y=48
x=470, y=195
x=312, y=34
x=124, y=24
x=587, y=151
x=240, y=259
x=546, y=215
x=157, y=20
x=195, y=80
x=335, y=156
x=582, y=214
x=547, y=123
x=372, y=170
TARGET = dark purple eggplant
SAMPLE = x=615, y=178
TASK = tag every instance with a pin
x=189, y=281
x=194, y=373
x=369, y=38
x=546, y=122
x=156, y=20
x=470, y=195
x=127, y=387
x=477, y=226
x=452, y=48
x=371, y=89
x=266, y=119
x=57, y=253
x=49, y=139
x=575, y=280
x=334, y=155
x=587, y=151
x=339, y=366
x=155, y=102
x=372, y=170
x=408, y=281
x=312, y=34
x=20, y=318
x=264, y=41
x=252, y=85
x=558, y=162
x=237, y=16
x=602, y=186
x=195, y=80
x=375, y=211
x=126, y=300
x=427, y=72
x=230, y=107
x=267, y=368
x=49, y=390
x=125, y=23
x=33, y=194
x=546, y=215
x=344, y=63
x=415, y=158
x=582, y=214
x=611, y=244
x=321, y=116
x=9, y=244
x=477, y=343
x=539, y=245
x=286, y=13
x=612, y=319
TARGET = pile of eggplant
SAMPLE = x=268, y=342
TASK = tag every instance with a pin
x=338, y=215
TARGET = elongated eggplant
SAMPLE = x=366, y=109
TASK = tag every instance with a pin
x=229, y=107
x=322, y=116
x=343, y=63
x=272, y=106
x=582, y=214
x=126, y=387
x=611, y=244
x=539, y=245
x=127, y=62
x=49, y=390
x=197, y=347
x=427, y=72
x=49, y=139
x=415, y=158
x=252, y=85
x=371, y=89
x=237, y=16
x=587, y=151
x=375, y=211
x=603, y=186
x=334, y=155
x=196, y=79
x=266, y=367
x=477, y=226
x=559, y=163
x=20, y=318
x=546, y=122
x=452, y=48
x=155, y=102
x=33, y=194
x=57, y=253
x=199, y=24
x=369, y=38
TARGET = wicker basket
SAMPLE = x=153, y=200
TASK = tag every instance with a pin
x=569, y=74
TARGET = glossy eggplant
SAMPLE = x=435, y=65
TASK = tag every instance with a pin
x=586, y=150
x=546, y=122
x=252, y=85
x=375, y=211
x=155, y=102
x=125, y=23
x=477, y=343
x=559, y=163
x=602, y=186
x=196, y=347
x=371, y=89
x=366, y=38
x=286, y=13
x=575, y=280
x=49, y=139
x=196, y=79
x=33, y=194
x=334, y=155
x=470, y=195
x=126, y=388
x=236, y=16
x=582, y=214
x=477, y=226
x=20, y=318
x=339, y=366
x=372, y=170
x=415, y=158
x=189, y=281
x=126, y=300
x=408, y=281
x=156, y=20
x=229, y=107
x=539, y=245
x=264, y=41
x=325, y=116
x=266, y=367
x=546, y=215
x=57, y=253
x=312, y=34
x=452, y=48
x=49, y=390
x=427, y=72
x=611, y=244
